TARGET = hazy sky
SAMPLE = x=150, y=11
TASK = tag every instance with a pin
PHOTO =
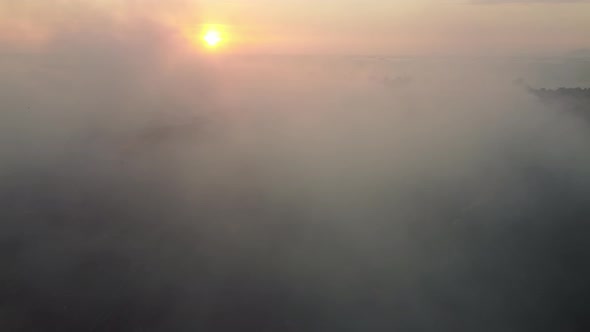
x=396, y=27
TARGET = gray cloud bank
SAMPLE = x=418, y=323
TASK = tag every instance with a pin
x=146, y=187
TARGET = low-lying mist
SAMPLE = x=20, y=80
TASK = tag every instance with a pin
x=147, y=187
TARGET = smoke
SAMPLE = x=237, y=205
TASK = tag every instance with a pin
x=147, y=186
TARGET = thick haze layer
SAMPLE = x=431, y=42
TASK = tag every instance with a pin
x=344, y=27
x=145, y=186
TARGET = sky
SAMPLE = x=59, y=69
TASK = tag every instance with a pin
x=391, y=27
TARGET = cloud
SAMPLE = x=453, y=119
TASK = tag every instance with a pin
x=36, y=23
x=144, y=186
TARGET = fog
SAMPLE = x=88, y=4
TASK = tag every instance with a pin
x=147, y=186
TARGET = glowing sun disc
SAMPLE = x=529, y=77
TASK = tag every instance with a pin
x=212, y=38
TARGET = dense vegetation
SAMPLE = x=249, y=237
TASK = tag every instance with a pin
x=575, y=100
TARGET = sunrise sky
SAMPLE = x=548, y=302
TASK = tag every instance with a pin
x=392, y=27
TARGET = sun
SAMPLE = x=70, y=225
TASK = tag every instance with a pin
x=212, y=38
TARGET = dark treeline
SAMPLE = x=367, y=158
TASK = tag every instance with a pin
x=574, y=100
x=577, y=93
